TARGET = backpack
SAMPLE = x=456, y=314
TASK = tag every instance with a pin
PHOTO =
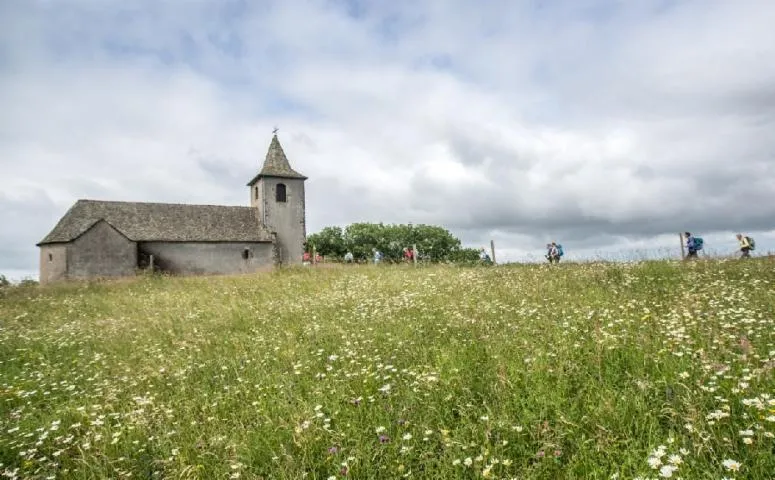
x=698, y=243
x=560, y=252
x=751, y=242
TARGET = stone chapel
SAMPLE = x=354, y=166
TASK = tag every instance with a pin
x=98, y=239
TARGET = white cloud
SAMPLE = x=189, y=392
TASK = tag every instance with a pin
x=601, y=123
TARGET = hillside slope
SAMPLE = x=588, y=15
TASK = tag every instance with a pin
x=573, y=371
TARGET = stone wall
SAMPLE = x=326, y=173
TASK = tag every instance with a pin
x=256, y=192
x=53, y=262
x=101, y=251
x=195, y=258
x=286, y=218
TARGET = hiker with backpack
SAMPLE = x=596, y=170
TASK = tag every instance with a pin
x=550, y=253
x=693, y=245
x=484, y=257
x=554, y=252
x=746, y=245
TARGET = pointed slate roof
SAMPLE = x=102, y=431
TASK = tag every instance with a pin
x=276, y=164
x=170, y=222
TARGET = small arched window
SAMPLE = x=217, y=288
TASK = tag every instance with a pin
x=280, y=192
x=256, y=192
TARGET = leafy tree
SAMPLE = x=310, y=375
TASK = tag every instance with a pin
x=4, y=282
x=434, y=243
x=328, y=241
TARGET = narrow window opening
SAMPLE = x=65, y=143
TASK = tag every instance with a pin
x=50, y=258
x=246, y=253
x=256, y=192
x=280, y=192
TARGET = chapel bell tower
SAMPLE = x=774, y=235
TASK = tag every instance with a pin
x=278, y=194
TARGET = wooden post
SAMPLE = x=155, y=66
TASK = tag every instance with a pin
x=314, y=255
x=150, y=263
x=681, y=239
x=492, y=250
x=414, y=254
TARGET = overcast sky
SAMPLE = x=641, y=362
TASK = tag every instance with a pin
x=607, y=125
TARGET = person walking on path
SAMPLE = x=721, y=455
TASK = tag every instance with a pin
x=550, y=253
x=746, y=245
x=693, y=245
x=557, y=251
x=484, y=257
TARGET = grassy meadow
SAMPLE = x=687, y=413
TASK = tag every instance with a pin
x=596, y=371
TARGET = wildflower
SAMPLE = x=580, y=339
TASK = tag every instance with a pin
x=674, y=460
x=407, y=436
x=654, y=462
x=384, y=439
x=456, y=462
x=379, y=429
x=731, y=465
x=468, y=462
x=667, y=471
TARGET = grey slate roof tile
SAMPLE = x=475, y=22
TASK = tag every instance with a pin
x=276, y=164
x=162, y=222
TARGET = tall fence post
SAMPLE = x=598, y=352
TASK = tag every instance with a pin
x=492, y=250
x=314, y=255
x=681, y=239
x=414, y=254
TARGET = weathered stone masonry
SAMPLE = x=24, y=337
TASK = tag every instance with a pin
x=97, y=239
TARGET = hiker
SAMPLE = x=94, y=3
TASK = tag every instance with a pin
x=348, y=257
x=305, y=259
x=693, y=245
x=746, y=245
x=484, y=257
x=548, y=255
x=377, y=255
x=555, y=252
x=551, y=252
x=408, y=254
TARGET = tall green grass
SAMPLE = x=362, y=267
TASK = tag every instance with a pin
x=568, y=371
